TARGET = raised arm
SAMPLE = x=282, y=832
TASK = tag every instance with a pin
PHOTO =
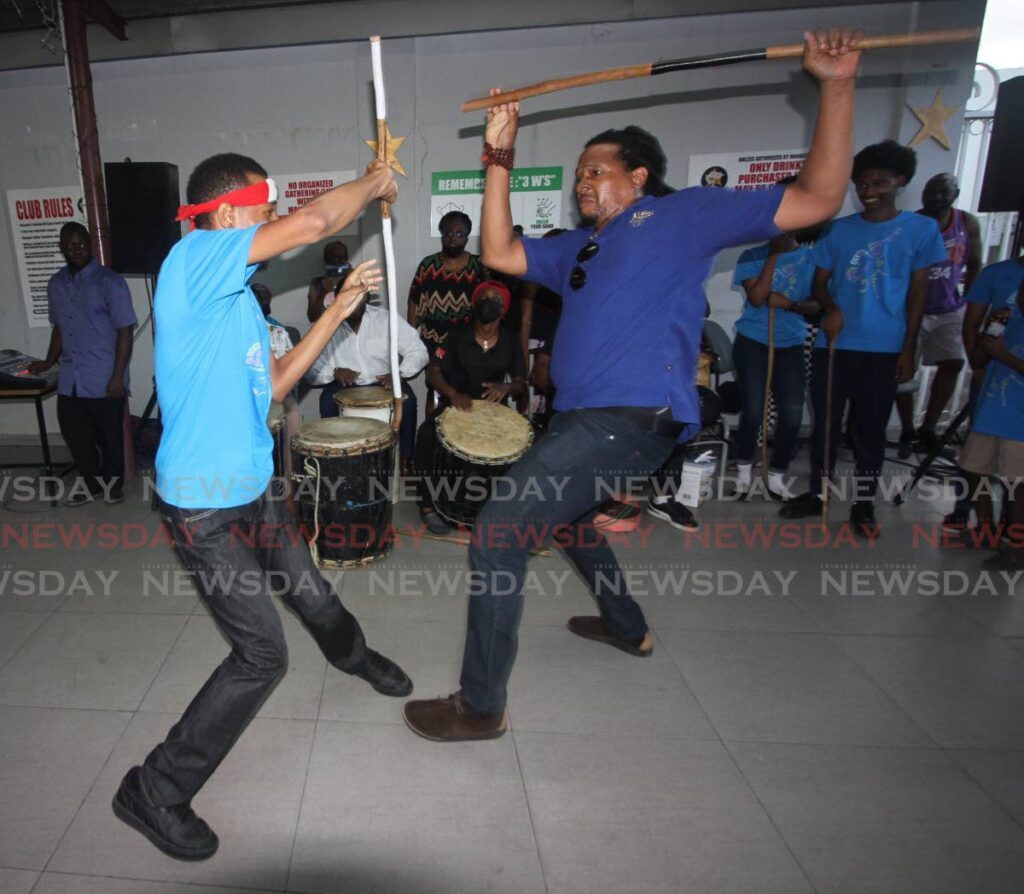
x=325, y=215
x=286, y=372
x=499, y=249
x=831, y=57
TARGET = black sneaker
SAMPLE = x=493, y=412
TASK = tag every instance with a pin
x=112, y=498
x=435, y=524
x=676, y=514
x=384, y=675
x=862, y=518
x=177, y=831
x=905, y=445
x=804, y=506
x=79, y=498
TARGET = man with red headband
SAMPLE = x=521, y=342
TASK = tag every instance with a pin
x=215, y=375
x=472, y=364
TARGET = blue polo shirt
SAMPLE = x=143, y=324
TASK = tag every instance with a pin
x=871, y=265
x=212, y=362
x=1000, y=408
x=630, y=335
x=997, y=285
x=793, y=275
x=89, y=308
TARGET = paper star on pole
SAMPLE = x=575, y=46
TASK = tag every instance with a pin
x=391, y=146
x=933, y=121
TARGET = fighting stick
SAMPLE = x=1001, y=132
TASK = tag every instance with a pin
x=649, y=69
x=389, y=242
x=767, y=396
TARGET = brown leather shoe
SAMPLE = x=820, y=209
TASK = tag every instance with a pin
x=593, y=628
x=450, y=720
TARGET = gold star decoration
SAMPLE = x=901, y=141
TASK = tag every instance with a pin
x=391, y=147
x=933, y=121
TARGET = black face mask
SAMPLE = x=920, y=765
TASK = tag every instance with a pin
x=487, y=310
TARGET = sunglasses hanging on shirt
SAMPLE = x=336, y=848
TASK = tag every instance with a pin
x=578, y=277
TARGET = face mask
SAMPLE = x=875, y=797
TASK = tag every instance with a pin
x=487, y=310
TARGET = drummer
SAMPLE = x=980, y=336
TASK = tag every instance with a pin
x=473, y=364
x=359, y=354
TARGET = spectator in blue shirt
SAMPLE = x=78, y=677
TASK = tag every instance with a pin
x=91, y=312
x=995, y=446
x=775, y=277
x=871, y=281
x=631, y=280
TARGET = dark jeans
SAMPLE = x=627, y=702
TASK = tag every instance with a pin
x=426, y=462
x=868, y=381
x=750, y=358
x=217, y=547
x=93, y=429
x=579, y=446
x=407, y=429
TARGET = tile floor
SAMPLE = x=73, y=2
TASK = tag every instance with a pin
x=822, y=719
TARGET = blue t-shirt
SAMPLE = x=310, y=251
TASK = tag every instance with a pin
x=630, y=335
x=1000, y=408
x=871, y=266
x=793, y=274
x=212, y=361
x=997, y=284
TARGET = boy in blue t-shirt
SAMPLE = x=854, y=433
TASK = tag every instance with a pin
x=995, y=446
x=871, y=281
x=774, y=277
x=216, y=375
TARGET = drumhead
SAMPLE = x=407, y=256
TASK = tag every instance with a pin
x=363, y=396
x=341, y=435
x=275, y=418
x=490, y=433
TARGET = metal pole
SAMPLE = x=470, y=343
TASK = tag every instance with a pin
x=80, y=77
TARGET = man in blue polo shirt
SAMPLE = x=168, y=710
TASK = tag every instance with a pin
x=91, y=312
x=631, y=281
x=216, y=376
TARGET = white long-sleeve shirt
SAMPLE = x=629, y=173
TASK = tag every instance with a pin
x=367, y=351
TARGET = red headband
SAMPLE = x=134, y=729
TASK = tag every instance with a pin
x=499, y=287
x=255, y=194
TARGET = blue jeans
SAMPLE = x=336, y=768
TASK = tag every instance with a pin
x=229, y=553
x=558, y=481
x=407, y=430
x=750, y=358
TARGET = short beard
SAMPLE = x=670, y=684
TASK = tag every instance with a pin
x=450, y=251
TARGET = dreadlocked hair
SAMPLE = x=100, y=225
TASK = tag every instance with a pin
x=639, y=149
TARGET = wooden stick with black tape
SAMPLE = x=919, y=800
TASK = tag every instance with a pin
x=649, y=69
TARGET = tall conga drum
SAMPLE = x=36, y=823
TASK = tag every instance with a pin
x=341, y=474
x=365, y=401
x=475, y=447
x=275, y=422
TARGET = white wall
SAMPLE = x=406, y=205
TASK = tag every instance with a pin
x=309, y=109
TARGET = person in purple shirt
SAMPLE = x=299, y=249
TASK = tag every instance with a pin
x=940, y=343
x=631, y=279
x=92, y=316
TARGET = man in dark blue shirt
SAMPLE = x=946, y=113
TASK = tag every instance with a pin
x=91, y=311
x=633, y=306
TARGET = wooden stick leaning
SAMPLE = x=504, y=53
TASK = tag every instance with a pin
x=649, y=69
x=767, y=396
x=826, y=472
x=389, y=242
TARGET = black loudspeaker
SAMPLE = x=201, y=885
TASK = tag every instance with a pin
x=142, y=201
x=1003, y=188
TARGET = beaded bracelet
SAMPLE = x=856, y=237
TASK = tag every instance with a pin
x=501, y=157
